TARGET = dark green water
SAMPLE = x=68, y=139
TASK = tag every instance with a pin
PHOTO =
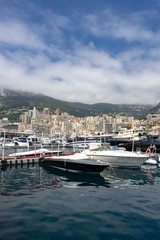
x=44, y=204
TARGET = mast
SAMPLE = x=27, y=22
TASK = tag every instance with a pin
x=3, y=145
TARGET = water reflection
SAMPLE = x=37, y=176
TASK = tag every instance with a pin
x=80, y=178
x=28, y=180
x=141, y=176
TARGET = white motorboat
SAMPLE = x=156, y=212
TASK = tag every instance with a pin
x=117, y=157
x=7, y=143
x=21, y=142
x=75, y=162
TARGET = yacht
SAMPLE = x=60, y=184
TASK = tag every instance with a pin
x=129, y=134
x=117, y=157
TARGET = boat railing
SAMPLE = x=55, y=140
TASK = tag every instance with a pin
x=151, y=149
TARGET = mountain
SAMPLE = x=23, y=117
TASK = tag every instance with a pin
x=13, y=103
x=155, y=109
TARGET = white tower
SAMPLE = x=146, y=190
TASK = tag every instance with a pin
x=34, y=113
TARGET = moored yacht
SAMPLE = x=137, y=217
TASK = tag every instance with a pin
x=117, y=157
x=129, y=134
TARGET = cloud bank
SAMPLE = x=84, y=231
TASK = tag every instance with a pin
x=86, y=57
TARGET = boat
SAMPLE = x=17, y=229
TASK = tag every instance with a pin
x=129, y=134
x=82, y=142
x=35, y=153
x=7, y=143
x=21, y=142
x=117, y=157
x=78, y=145
x=142, y=144
x=34, y=140
x=76, y=162
x=46, y=141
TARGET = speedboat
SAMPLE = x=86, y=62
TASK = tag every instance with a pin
x=117, y=157
x=75, y=162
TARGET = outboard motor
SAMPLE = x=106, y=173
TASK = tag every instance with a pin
x=157, y=159
x=154, y=160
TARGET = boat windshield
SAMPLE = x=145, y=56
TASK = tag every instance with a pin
x=108, y=148
x=115, y=148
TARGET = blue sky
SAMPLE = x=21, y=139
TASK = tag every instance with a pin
x=88, y=51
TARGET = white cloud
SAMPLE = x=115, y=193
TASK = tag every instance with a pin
x=129, y=27
x=103, y=79
x=80, y=73
x=18, y=34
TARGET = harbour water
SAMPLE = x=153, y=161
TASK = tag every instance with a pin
x=44, y=203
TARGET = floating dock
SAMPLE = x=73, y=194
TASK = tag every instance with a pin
x=19, y=161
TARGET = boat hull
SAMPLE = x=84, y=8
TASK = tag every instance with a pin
x=133, y=160
x=84, y=165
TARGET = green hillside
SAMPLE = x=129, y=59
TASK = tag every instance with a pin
x=16, y=102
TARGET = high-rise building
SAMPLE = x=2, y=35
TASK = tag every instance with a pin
x=34, y=113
